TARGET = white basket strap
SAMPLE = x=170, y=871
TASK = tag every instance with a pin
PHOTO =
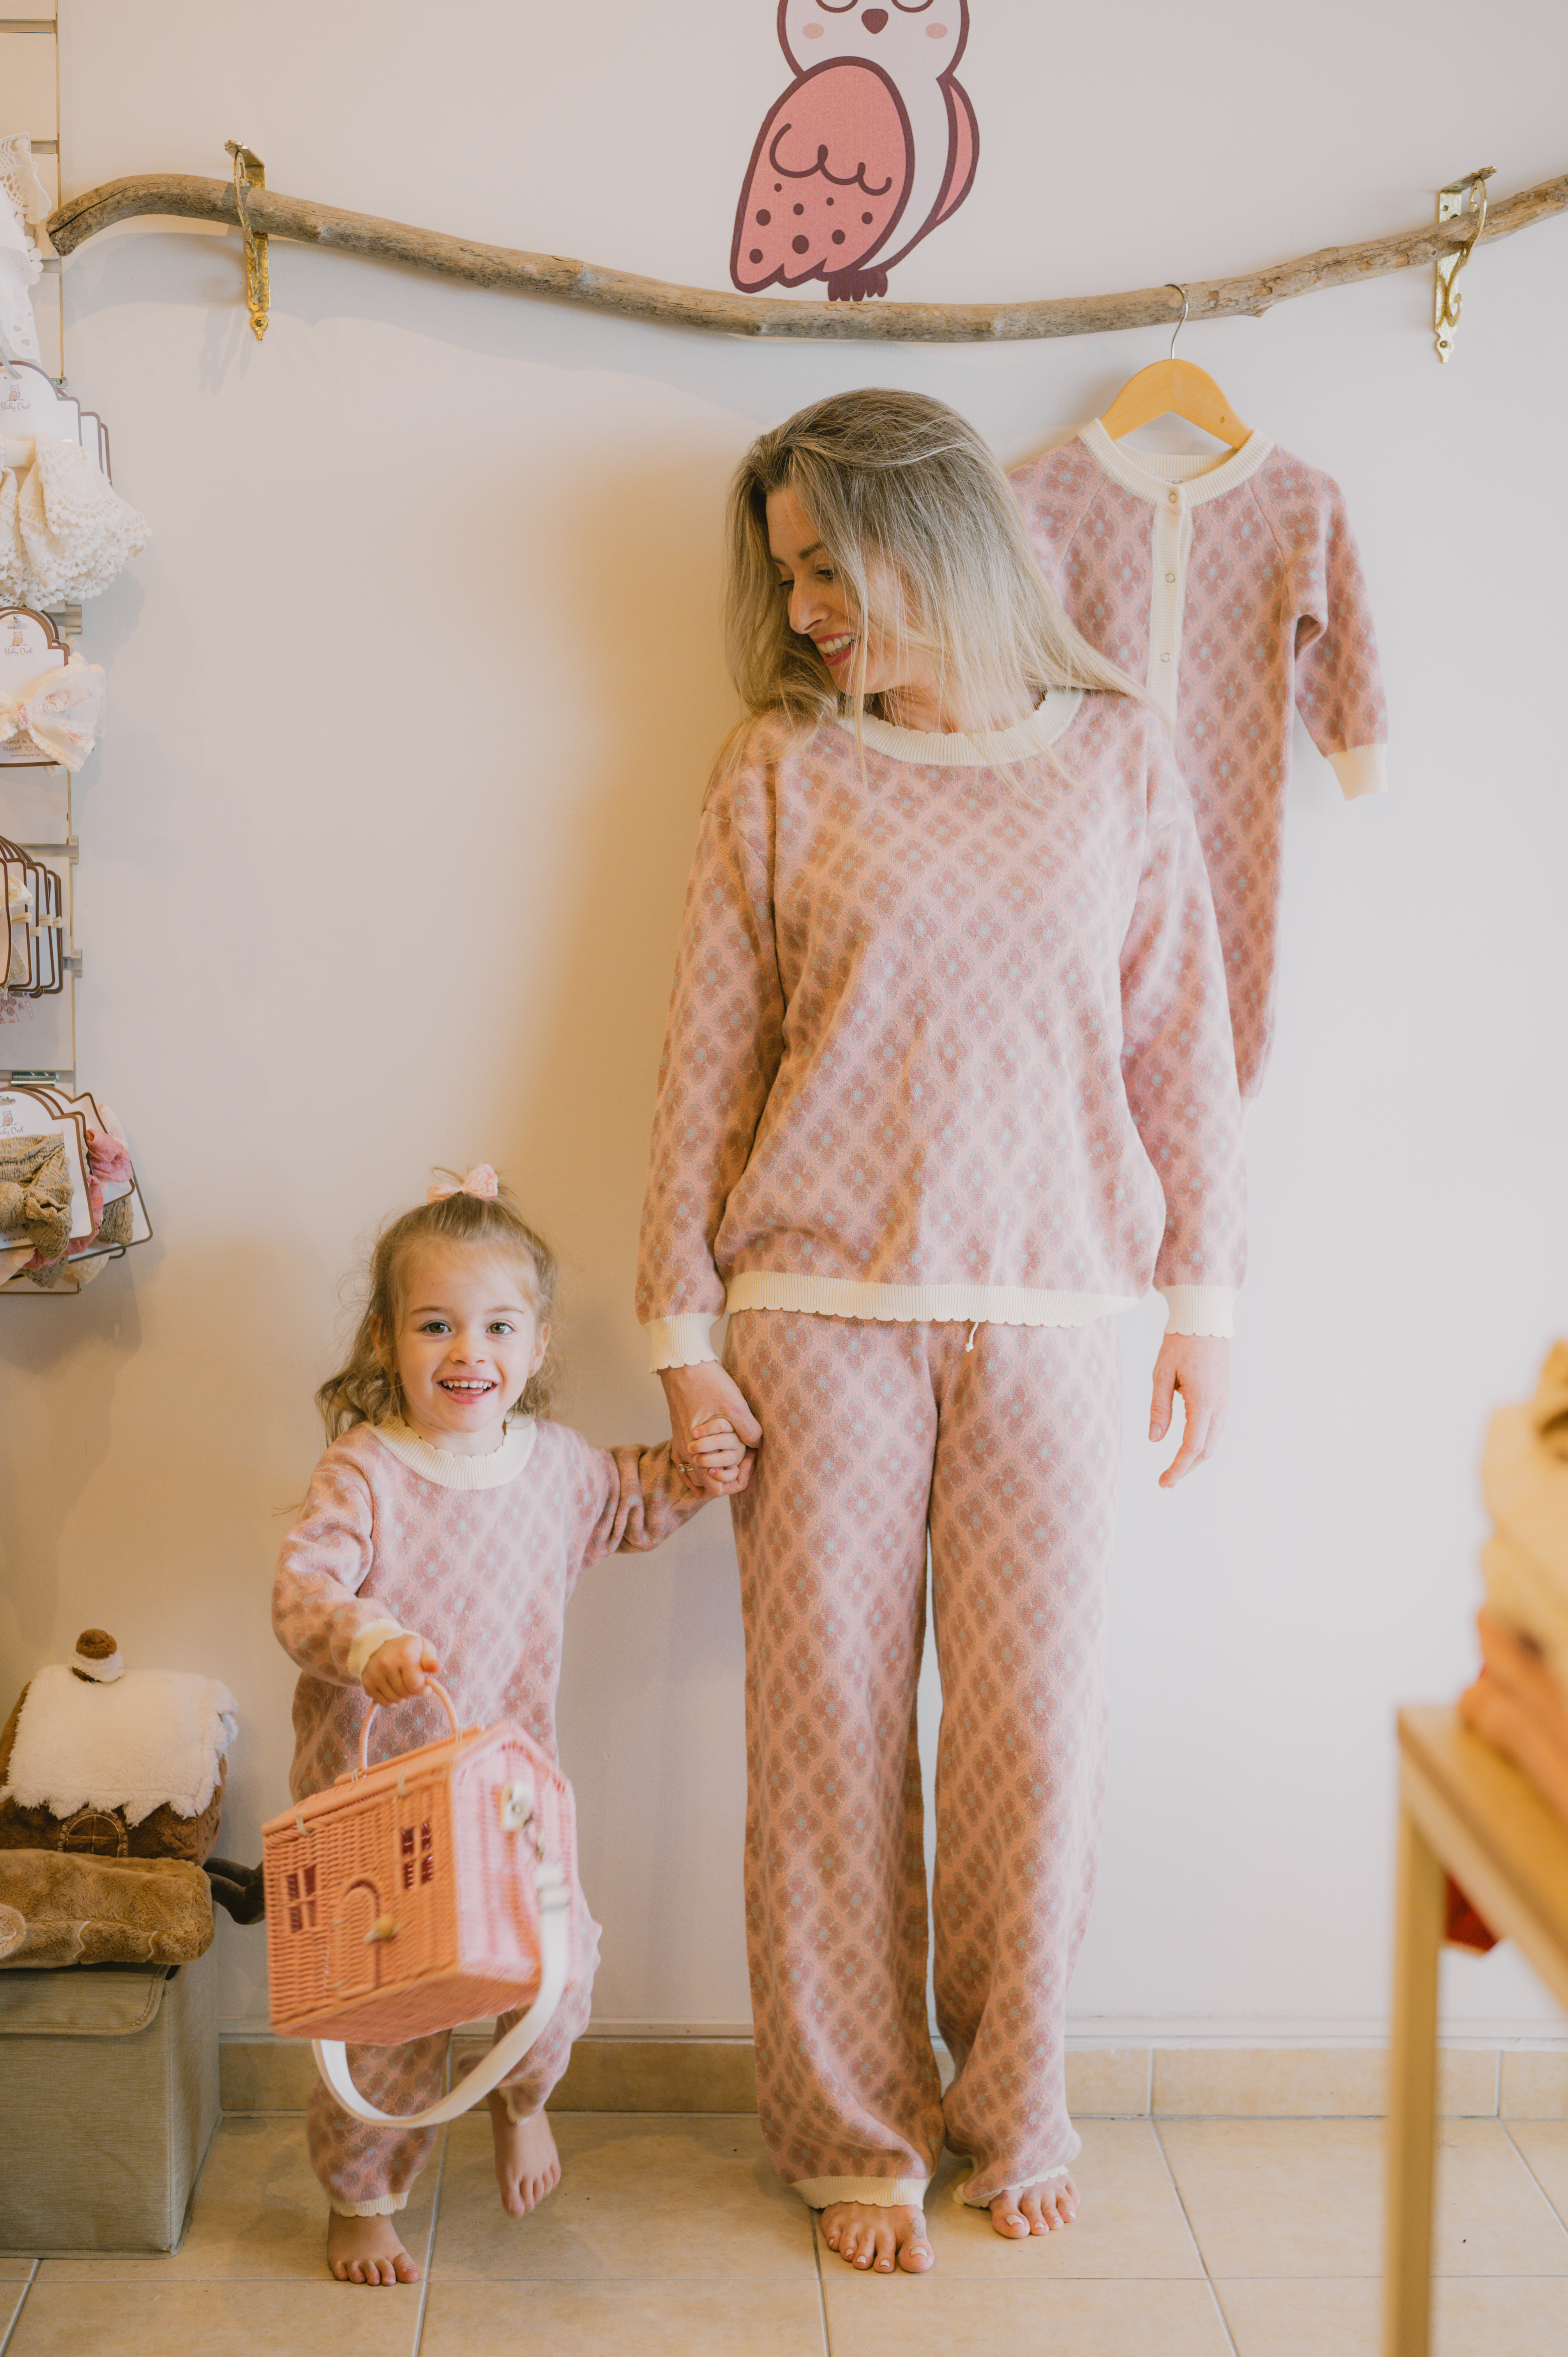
x=554, y=1932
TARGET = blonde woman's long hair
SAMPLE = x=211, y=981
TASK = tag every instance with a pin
x=367, y=1389
x=918, y=520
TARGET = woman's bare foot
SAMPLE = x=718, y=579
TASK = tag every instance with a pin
x=528, y=2166
x=1036, y=2209
x=368, y=2251
x=868, y=2236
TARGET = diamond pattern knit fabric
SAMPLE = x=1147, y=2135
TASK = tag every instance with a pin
x=485, y=1575
x=1272, y=612
x=875, y=1433
x=958, y=1026
x=368, y=2171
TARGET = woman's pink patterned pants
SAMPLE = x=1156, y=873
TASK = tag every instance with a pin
x=874, y=1436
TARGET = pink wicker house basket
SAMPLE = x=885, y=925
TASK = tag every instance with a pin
x=433, y=1890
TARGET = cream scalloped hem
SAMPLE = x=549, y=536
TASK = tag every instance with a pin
x=876, y=2192
x=964, y=2200
x=385, y=2205
x=683, y=1340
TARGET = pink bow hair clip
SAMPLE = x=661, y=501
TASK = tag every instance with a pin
x=481, y=1181
x=56, y=714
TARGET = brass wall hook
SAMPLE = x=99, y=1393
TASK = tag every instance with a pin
x=1451, y=203
x=249, y=172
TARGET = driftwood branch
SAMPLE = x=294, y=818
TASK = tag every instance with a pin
x=187, y=197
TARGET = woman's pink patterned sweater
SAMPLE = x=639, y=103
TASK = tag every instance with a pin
x=1234, y=591
x=948, y=1038
x=478, y=1553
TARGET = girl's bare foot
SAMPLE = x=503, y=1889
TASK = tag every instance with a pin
x=528, y=2166
x=868, y=2236
x=368, y=2251
x=1036, y=2209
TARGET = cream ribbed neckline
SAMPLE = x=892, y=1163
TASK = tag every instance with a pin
x=1055, y=712
x=1147, y=473
x=449, y=1473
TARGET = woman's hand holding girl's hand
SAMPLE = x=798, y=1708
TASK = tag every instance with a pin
x=720, y=1451
x=1198, y=1367
x=708, y=1415
x=400, y=1668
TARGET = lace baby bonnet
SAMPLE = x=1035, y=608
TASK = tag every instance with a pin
x=65, y=532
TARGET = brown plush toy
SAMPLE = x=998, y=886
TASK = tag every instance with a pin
x=56, y=1910
x=111, y=1792
x=91, y=1761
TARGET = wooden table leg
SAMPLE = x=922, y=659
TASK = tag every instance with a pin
x=1412, y=2094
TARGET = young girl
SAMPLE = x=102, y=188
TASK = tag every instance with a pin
x=444, y=1531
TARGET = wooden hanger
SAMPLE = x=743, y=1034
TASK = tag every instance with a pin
x=1173, y=386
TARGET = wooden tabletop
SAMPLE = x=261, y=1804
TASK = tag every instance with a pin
x=1505, y=1846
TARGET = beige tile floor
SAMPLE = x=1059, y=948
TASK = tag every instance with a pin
x=1198, y=2238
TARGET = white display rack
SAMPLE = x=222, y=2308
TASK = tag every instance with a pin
x=37, y=1035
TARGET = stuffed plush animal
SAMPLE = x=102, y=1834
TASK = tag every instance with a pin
x=102, y=1761
x=58, y=1910
x=111, y=1792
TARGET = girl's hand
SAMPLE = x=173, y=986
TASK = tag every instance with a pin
x=707, y=1396
x=1198, y=1367
x=399, y=1669
x=720, y=1451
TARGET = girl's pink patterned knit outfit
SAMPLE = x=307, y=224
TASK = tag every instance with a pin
x=1235, y=592
x=478, y=1555
x=949, y=1078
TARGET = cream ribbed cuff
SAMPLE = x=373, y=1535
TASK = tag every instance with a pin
x=1364, y=769
x=683, y=1341
x=1199, y=1310
x=385, y=2205
x=968, y=2200
x=373, y=1634
x=879, y=2192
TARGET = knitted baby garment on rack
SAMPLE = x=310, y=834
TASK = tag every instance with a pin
x=1235, y=591
x=22, y=200
x=102, y=1214
x=65, y=532
x=35, y=1198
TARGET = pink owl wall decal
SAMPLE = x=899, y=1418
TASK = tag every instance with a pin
x=872, y=143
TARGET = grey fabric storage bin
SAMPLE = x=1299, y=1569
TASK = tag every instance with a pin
x=108, y=2103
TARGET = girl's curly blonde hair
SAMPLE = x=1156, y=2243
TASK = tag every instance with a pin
x=366, y=1391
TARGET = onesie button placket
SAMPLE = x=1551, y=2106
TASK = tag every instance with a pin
x=1173, y=546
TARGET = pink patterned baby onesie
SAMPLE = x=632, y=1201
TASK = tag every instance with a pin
x=1235, y=591
x=478, y=1555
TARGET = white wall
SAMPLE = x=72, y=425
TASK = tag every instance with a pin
x=412, y=698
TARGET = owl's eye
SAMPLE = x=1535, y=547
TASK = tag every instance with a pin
x=912, y=8
x=841, y=7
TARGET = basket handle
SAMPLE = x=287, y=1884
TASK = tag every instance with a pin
x=554, y=1934
x=435, y=1685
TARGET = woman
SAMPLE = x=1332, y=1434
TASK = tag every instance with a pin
x=947, y=1081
